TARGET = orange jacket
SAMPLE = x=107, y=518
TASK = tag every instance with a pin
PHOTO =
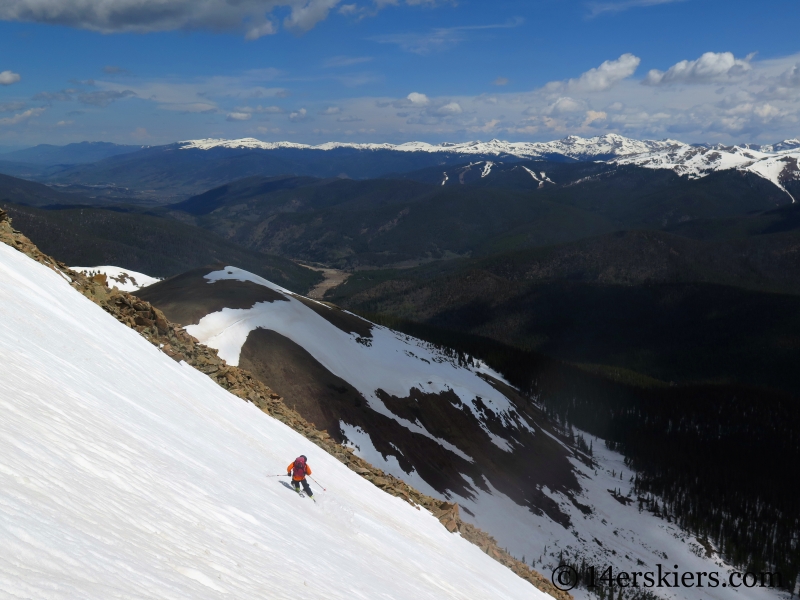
x=290, y=471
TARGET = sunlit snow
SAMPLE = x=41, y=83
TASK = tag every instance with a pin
x=124, y=474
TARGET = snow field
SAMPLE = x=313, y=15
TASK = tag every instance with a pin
x=124, y=474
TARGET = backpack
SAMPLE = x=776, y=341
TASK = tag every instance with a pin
x=299, y=467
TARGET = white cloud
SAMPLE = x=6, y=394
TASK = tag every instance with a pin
x=331, y=110
x=417, y=99
x=298, y=115
x=253, y=17
x=306, y=14
x=23, y=116
x=238, y=116
x=791, y=77
x=451, y=108
x=594, y=115
x=9, y=77
x=600, y=78
x=565, y=105
x=500, y=81
x=712, y=67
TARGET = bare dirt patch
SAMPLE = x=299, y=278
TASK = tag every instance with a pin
x=333, y=278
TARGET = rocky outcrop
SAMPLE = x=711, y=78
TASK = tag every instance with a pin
x=151, y=323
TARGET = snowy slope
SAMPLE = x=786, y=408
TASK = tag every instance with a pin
x=391, y=361
x=611, y=533
x=126, y=475
x=696, y=162
x=123, y=279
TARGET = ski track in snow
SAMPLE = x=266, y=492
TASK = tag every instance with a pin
x=125, y=474
x=393, y=362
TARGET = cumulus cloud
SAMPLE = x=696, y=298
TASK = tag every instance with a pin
x=417, y=99
x=23, y=116
x=594, y=115
x=9, y=77
x=253, y=17
x=565, y=105
x=445, y=110
x=238, y=116
x=712, y=67
x=791, y=77
x=298, y=115
x=600, y=78
x=331, y=110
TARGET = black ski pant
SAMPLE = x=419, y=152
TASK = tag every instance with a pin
x=306, y=487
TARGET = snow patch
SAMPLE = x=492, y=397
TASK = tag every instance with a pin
x=123, y=279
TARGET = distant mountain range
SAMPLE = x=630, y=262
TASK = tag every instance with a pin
x=177, y=171
x=71, y=154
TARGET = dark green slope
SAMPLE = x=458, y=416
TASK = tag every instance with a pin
x=145, y=243
x=351, y=224
x=176, y=172
x=664, y=306
x=21, y=191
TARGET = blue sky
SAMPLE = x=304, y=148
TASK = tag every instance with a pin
x=397, y=70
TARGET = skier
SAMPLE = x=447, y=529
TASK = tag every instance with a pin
x=298, y=471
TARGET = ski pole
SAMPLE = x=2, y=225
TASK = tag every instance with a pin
x=318, y=483
x=279, y=475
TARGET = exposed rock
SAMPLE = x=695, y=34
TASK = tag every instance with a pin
x=151, y=323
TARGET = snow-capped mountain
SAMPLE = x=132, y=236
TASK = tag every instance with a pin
x=445, y=424
x=777, y=163
x=125, y=474
x=574, y=147
x=695, y=162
